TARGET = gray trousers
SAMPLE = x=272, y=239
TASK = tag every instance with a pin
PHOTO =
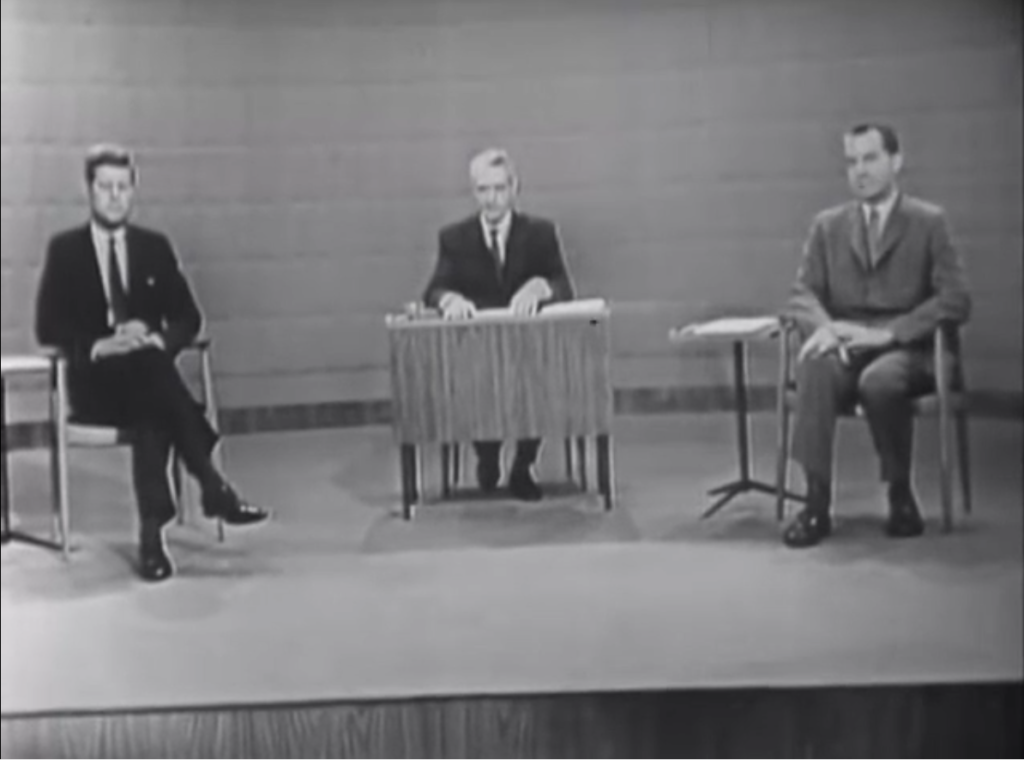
x=883, y=383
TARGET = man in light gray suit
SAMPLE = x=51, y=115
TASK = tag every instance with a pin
x=878, y=275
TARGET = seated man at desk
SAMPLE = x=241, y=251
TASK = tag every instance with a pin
x=499, y=257
x=878, y=276
x=113, y=298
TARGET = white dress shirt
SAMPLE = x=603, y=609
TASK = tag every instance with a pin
x=884, y=211
x=101, y=244
x=502, y=227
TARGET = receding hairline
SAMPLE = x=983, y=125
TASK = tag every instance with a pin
x=492, y=158
x=887, y=134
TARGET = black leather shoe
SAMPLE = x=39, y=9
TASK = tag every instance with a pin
x=905, y=519
x=809, y=528
x=224, y=504
x=488, y=471
x=814, y=522
x=154, y=564
x=523, y=486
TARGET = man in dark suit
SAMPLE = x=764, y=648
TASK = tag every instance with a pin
x=878, y=275
x=113, y=298
x=499, y=257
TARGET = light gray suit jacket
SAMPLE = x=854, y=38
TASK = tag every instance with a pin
x=918, y=281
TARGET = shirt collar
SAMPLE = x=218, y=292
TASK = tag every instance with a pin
x=502, y=226
x=884, y=208
x=102, y=234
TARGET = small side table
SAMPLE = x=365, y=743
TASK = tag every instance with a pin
x=55, y=370
x=738, y=332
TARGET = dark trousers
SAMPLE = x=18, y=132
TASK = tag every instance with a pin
x=526, y=452
x=144, y=393
x=883, y=383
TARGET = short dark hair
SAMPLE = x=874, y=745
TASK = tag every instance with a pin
x=890, y=139
x=107, y=154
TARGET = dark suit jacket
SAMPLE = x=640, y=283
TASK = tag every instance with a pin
x=71, y=307
x=919, y=280
x=466, y=266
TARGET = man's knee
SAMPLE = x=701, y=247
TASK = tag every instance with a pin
x=820, y=372
x=883, y=383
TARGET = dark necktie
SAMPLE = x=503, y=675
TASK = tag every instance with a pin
x=874, y=235
x=118, y=296
x=494, y=244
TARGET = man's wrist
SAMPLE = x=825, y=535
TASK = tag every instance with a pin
x=446, y=299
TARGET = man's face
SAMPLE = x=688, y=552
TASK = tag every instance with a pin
x=494, y=191
x=110, y=195
x=870, y=170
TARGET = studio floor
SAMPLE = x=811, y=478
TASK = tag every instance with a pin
x=339, y=598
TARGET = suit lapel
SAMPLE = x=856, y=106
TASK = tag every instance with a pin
x=895, y=227
x=858, y=235
x=133, y=261
x=92, y=279
x=513, y=246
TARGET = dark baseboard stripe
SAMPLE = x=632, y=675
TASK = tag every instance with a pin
x=661, y=400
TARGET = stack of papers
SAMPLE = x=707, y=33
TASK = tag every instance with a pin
x=582, y=306
x=727, y=327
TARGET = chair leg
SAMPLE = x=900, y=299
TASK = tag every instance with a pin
x=782, y=463
x=964, y=452
x=567, y=449
x=59, y=455
x=176, y=486
x=945, y=470
x=456, y=465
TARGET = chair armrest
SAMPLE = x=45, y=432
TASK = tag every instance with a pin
x=200, y=343
x=54, y=354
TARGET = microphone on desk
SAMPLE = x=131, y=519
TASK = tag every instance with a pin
x=419, y=310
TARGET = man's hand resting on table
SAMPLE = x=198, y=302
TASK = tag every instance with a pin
x=455, y=306
x=526, y=301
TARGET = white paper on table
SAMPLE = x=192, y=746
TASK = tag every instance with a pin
x=582, y=306
x=727, y=327
x=498, y=312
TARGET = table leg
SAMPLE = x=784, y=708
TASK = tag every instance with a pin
x=446, y=467
x=739, y=356
x=581, y=455
x=745, y=483
x=605, y=469
x=5, y=494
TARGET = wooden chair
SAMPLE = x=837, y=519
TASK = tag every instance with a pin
x=76, y=434
x=947, y=401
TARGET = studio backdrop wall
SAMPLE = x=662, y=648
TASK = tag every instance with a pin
x=302, y=155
